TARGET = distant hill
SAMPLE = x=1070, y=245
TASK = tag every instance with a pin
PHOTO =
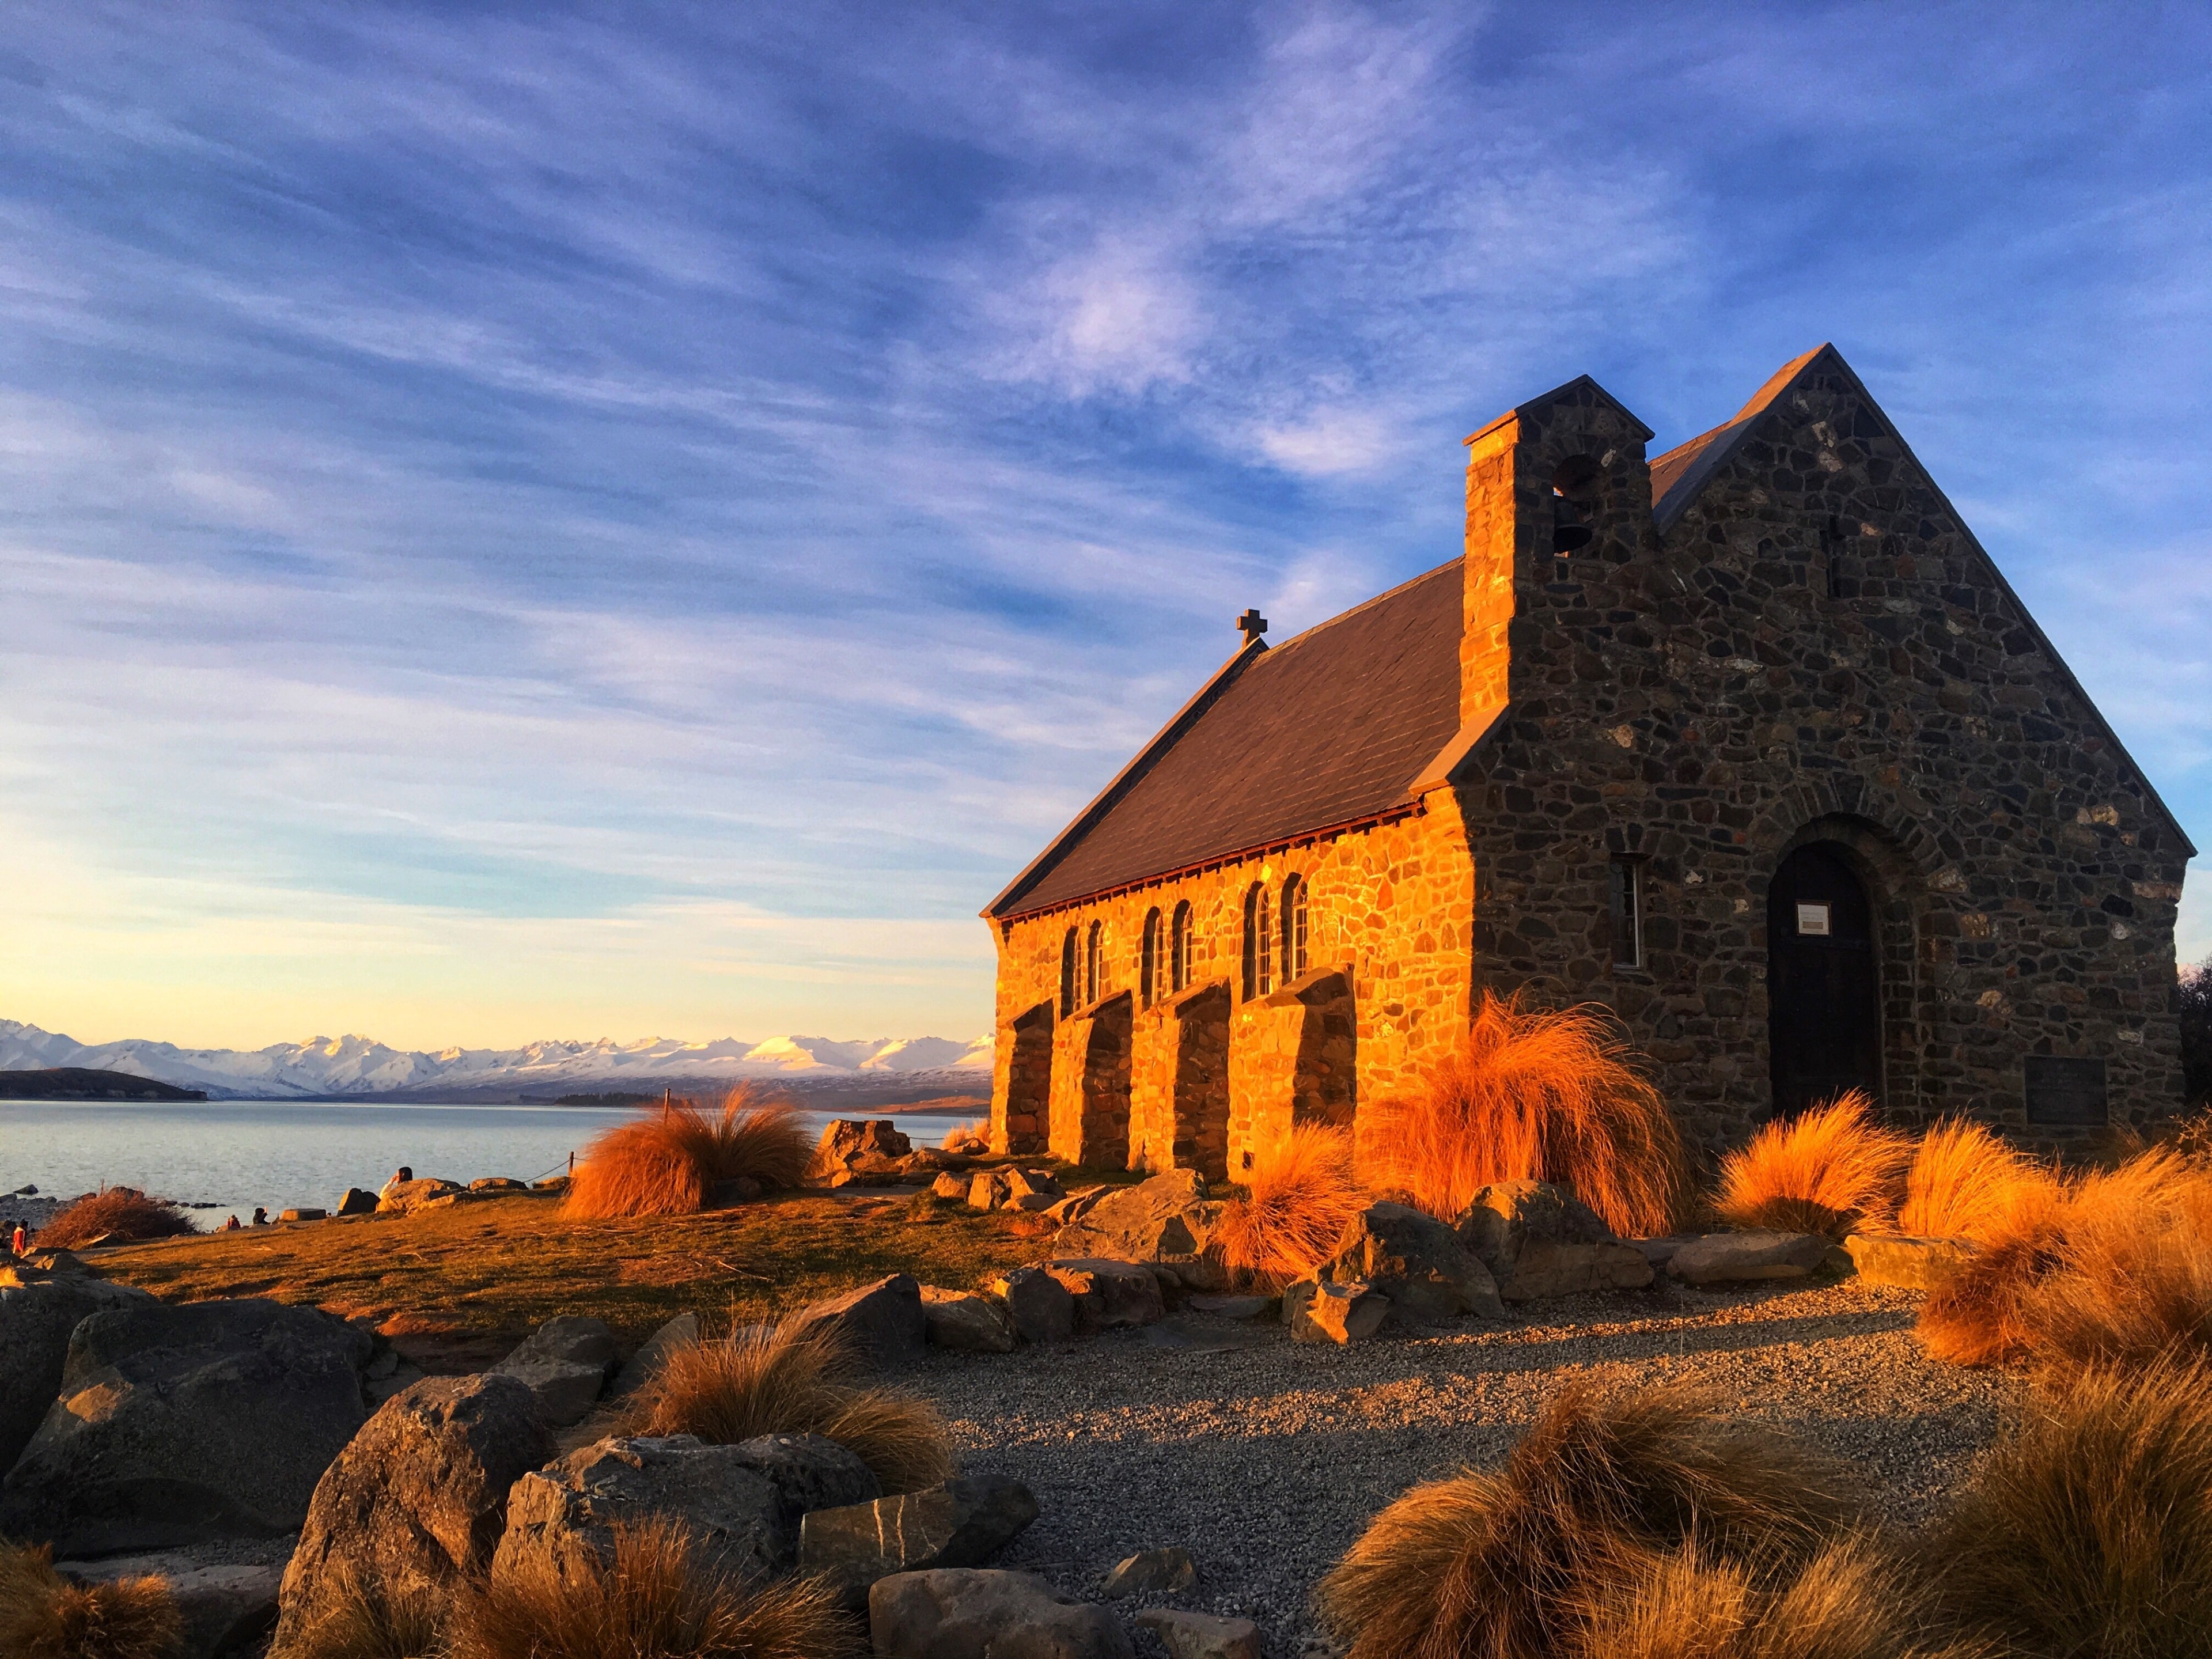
x=81, y=1083
x=354, y=1067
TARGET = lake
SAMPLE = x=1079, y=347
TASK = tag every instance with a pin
x=283, y=1154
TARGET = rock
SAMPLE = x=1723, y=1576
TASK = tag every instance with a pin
x=399, y=1197
x=681, y=1332
x=357, y=1201
x=174, y=1425
x=414, y=1503
x=1033, y=1183
x=846, y=1139
x=1201, y=1635
x=1167, y=1218
x=741, y=1189
x=1718, y=1258
x=952, y=1186
x=1917, y=1264
x=1659, y=1251
x=1328, y=1311
x=742, y=1503
x=1039, y=1305
x=883, y=1321
x=564, y=1363
x=987, y=1190
x=301, y=1215
x=1231, y=1307
x=1109, y=1295
x=499, y=1184
x=1415, y=1261
x=1150, y=1571
x=962, y=1522
x=1538, y=1240
x=965, y=1322
x=225, y=1607
x=36, y=1318
x=551, y=1184
x=1076, y=1205
x=957, y=1613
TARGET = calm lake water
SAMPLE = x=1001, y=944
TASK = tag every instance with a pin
x=283, y=1154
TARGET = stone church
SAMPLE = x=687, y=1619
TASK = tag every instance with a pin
x=1751, y=743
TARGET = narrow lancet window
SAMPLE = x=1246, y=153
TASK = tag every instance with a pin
x=1179, y=967
x=1624, y=891
x=1094, y=971
x=1294, y=930
x=1148, y=967
x=1067, y=974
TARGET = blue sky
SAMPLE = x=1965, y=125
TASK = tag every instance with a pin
x=522, y=521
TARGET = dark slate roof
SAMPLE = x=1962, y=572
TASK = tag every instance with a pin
x=1324, y=729
x=1681, y=472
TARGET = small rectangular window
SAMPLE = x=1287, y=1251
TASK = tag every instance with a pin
x=1626, y=885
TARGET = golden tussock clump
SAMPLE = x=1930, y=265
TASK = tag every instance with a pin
x=1827, y=1171
x=44, y=1616
x=655, y=1600
x=1967, y=1181
x=1506, y=1565
x=355, y=1622
x=781, y=1380
x=120, y=1213
x=1533, y=1094
x=2110, y=1265
x=667, y=1162
x=1297, y=1198
x=973, y=1137
x=2089, y=1531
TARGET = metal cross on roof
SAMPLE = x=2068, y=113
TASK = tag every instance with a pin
x=1253, y=625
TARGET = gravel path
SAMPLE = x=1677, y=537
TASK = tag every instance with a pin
x=1266, y=1458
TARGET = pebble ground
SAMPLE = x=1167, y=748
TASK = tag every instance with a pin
x=1266, y=1458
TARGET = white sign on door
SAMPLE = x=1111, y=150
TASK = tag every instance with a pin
x=1813, y=919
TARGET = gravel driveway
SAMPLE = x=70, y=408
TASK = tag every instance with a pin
x=1265, y=1458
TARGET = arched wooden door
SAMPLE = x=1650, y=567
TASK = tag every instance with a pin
x=1823, y=986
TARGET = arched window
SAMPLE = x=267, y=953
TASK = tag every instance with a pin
x=1259, y=943
x=1179, y=943
x=1148, y=966
x=1067, y=974
x=1094, y=977
x=1294, y=929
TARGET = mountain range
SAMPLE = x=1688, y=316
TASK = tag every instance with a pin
x=351, y=1066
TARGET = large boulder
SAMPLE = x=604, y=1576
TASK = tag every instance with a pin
x=1415, y=1263
x=964, y=1613
x=400, y=1197
x=1109, y=1295
x=1915, y=1264
x=415, y=1503
x=868, y=1143
x=883, y=1322
x=1538, y=1240
x=1167, y=1218
x=1039, y=1305
x=564, y=1363
x=961, y=1523
x=37, y=1316
x=177, y=1423
x=965, y=1322
x=1331, y=1311
x=641, y=1367
x=1728, y=1258
x=225, y=1608
x=743, y=1503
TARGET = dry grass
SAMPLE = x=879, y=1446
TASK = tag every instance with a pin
x=973, y=1137
x=1967, y=1181
x=2112, y=1264
x=121, y=1214
x=1534, y=1094
x=656, y=1600
x=2089, y=1532
x=667, y=1162
x=1297, y=1200
x=1827, y=1171
x=1503, y=1566
x=44, y=1616
x=781, y=1380
x=355, y=1621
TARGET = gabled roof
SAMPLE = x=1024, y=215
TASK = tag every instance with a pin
x=1326, y=729
x=1530, y=407
x=1681, y=472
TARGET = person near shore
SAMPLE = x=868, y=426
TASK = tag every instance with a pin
x=406, y=1172
x=21, y=1244
x=260, y=1216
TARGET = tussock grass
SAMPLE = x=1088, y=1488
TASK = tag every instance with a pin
x=2089, y=1531
x=1967, y=1181
x=666, y=1162
x=1506, y=1565
x=2110, y=1265
x=44, y=1616
x=781, y=1380
x=656, y=1600
x=119, y=1214
x=358, y=1621
x=1297, y=1198
x=1827, y=1171
x=1533, y=1094
x=973, y=1137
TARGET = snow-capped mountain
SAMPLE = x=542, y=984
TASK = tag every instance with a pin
x=362, y=1065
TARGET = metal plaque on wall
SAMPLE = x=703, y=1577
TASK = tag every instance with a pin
x=2062, y=1092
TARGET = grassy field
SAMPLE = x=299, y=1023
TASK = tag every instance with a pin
x=480, y=1275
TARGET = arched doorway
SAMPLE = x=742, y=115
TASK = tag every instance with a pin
x=1823, y=984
